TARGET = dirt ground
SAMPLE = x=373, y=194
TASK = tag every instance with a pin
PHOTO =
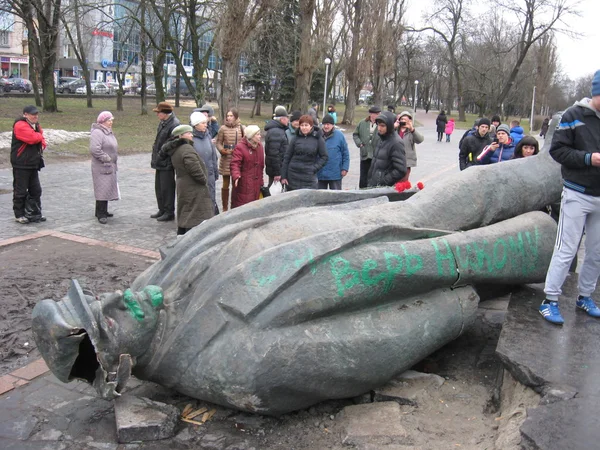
x=42, y=268
x=459, y=414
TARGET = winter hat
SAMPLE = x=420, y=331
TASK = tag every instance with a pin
x=104, y=116
x=328, y=119
x=484, y=121
x=280, y=111
x=251, y=131
x=179, y=130
x=207, y=109
x=596, y=84
x=163, y=107
x=374, y=110
x=503, y=127
x=406, y=113
x=496, y=119
x=197, y=117
x=295, y=115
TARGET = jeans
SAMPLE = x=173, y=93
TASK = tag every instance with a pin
x=334, y=185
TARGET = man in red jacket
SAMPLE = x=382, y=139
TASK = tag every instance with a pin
x=26, y=149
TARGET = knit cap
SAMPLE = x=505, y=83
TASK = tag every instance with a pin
x=328, y=119
x=251, y=131
x=104, y=116
x=503, y=127
x=197, y=117
x=596, y=84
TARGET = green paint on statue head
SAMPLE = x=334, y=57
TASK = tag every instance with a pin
x=155, y=294
x=132, y=305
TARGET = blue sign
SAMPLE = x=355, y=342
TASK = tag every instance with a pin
x=106, y=64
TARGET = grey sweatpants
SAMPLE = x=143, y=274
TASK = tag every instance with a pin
x=577, y=211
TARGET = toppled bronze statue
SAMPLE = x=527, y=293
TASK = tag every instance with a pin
x=310, y=295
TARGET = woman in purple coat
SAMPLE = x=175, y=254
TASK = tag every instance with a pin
x=247, y=167
x=103, y=148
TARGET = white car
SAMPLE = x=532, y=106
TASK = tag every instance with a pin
x=97, y=88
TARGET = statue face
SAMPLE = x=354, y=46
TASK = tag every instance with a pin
x=127, y=322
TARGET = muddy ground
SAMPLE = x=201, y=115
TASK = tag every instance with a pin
x=459, y=414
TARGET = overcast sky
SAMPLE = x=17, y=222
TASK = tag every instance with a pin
x=577, y=57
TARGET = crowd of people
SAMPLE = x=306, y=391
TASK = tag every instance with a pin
x=301, y=153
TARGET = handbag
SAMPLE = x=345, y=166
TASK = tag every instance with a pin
x=264, y=192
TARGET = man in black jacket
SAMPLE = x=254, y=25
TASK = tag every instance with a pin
x=575, y=145
x=472, y=145
x=389, y=160
x=276, y=143
x=164, y=178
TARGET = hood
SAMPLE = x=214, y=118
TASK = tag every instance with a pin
x=97, y=126
x=388, y=118
x=586, y=103
x=172, y=145
x=518, y=130
x=274, y=124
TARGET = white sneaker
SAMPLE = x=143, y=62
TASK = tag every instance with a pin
x=22, y=219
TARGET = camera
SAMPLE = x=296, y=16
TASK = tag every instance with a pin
x=402, y=123
x=495, y=141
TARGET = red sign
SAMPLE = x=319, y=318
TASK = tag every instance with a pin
x=98, y=32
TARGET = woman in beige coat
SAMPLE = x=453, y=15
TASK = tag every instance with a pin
x=227, y=138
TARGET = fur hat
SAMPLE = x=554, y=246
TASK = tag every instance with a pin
x=104, y=116
x=503, y=127
x=596, y=84
x=163, y=107
x=197, y=117
x=327, y=119
x=280, y=111
x=179, y=130
x=251, y=131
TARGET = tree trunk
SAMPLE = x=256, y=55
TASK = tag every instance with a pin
x=352, y=69
x=304, y=67
x=230, y=85
x=33, y=77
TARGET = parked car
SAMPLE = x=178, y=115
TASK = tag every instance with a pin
x=150, y=89
x=71, y=86
x=6, y=84
x=63, y=80
x=97, y=88
x=22, y=84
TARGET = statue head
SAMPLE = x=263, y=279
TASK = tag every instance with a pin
x=97, y=339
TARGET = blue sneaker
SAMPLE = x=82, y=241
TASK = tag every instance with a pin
x=551, y=313
x=588, y=305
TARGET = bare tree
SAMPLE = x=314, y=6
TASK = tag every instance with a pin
x=536, y=19
x=447, y=22
x=238, y=21
x=42, y=20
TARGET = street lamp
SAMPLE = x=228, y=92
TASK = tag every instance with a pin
x=415, y=102
x=327, y=62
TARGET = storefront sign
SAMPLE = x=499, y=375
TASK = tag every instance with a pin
x=98, y=32
x=19, y=60
x=106, y=64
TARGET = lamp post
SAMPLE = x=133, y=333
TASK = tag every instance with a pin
x=327, y=62
x=415, y=102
